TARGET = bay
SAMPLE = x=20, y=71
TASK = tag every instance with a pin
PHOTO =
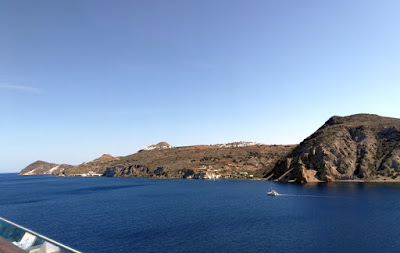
x=145, y=215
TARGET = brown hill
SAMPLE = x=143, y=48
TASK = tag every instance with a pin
x=360, y=147
x=43, y=168
x=105, y=158
x=189, y=161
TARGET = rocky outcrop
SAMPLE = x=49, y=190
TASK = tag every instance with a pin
x=44, y=168
x=360, y=147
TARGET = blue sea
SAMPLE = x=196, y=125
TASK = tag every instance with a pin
x=144, y=215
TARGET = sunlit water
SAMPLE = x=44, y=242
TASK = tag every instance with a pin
x=142, y=215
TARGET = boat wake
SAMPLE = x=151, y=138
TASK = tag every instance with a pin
x=309, y=196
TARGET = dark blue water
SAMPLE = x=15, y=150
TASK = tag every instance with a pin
x=142, y=215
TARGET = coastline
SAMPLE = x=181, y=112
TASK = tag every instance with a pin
x=381, y=180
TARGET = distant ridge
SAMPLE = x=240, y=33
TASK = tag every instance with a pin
x=161, y=160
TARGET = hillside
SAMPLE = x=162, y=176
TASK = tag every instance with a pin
x=43, y=168
x=163, y=160
x=360, y=147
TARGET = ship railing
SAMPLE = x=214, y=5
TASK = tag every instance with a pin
x=30, y=241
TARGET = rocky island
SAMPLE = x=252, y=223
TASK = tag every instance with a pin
x=361, y=147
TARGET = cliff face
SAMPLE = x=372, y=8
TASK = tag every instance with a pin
x=188, y=162
x=359, y=147
x=43, y=168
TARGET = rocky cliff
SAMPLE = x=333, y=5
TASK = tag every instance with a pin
x=43, y=168
x=360, y=147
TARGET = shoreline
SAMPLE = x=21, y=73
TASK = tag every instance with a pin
x=382, y=180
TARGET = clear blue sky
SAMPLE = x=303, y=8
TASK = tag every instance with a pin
x=83, y=78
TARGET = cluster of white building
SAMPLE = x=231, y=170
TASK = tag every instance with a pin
x=89, y=174
x=158, y=146
x=238, y=144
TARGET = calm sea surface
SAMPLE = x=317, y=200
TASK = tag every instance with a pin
x=143, y=215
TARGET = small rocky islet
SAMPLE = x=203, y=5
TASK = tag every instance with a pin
x=361, y=147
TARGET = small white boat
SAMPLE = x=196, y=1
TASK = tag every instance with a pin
x=273, y=193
